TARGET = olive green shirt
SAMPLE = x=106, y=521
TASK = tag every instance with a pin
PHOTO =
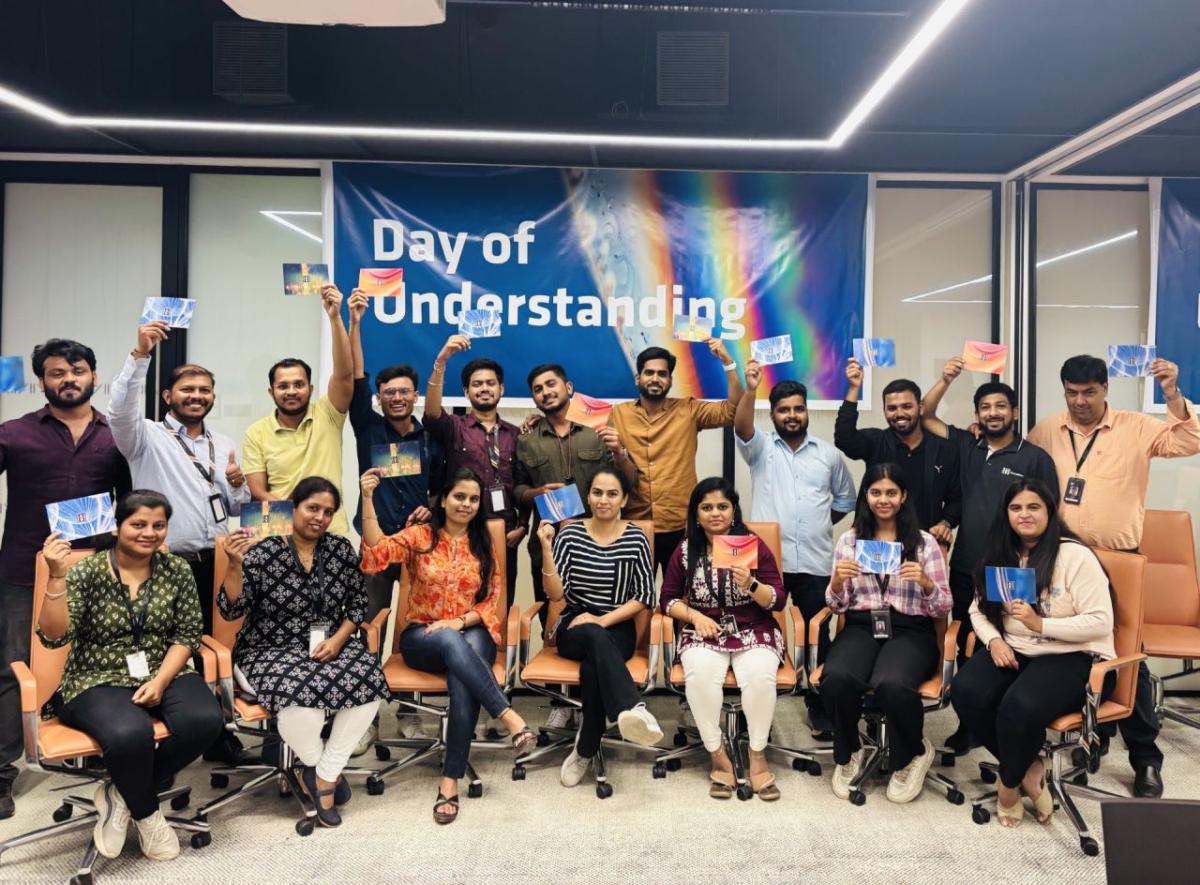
x=99, y=629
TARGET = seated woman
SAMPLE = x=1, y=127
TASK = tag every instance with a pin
x=132, y=617
x=889, y=642
x=727, y=613
x=602, y=566
x=453, y=625
x=303, y=598
x=1038, y=657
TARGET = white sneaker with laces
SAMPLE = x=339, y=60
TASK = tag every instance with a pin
x=844, y=774
x=112, y=823
x=412, y=729
x=367, y=741
x=573, y=769
x=560, y=718
x=639, y=726
x=157, y=839
x=907, y=783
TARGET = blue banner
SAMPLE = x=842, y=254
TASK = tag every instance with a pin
x=1177, y=310
x=588, y=267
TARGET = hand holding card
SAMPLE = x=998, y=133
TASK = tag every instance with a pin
x=687, y=328
x=175, y=312
x=1130, y=360
x=480, y=324
x=397, y=459
x=878, y=557
x=983, y=356
x=880, y=352
x=560, y=504
x=1007, y=585
x=381, y=282
x=731, y=550
x=588, y=411
x=78, y=518
x=262, y=519
x=772, y=351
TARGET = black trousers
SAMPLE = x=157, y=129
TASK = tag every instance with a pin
x=510, y=572
x=962, y=589
x=664, y=546
x=1140, y=729
x=893, y=668
x=605, y=686
x=1008, y=710
x=125, y=733
x=808, y=595
x=16, y=617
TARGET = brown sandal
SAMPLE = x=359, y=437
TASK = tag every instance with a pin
x=445, y=817
x=764, y=786
x=721, y=783
x=524, y=741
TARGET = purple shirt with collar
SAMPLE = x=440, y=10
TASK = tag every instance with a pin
x=465, y=442
x=44, y=465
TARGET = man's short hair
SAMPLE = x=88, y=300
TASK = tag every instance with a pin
x=71, y=351
x=546, y=367
x=786, y=388
x=478, y=365
x=995, y=387
x=656, y=353
x=400, y=370
x=900, y=385
x=187, y=370
x=290, y=363
x=1084, y=369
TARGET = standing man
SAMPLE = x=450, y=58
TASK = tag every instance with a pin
x=62, y=451
x=1103, y=459
x=301, y=438
x=929, y=462
x=659, y=435
x=803, y=484
x=480, y=440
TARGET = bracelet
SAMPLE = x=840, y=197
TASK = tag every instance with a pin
x=58, y=577
x=462, y=618
x=729, y=367
x=432, y=383
x=549, y=574
x=54, y=595
x=371, y=518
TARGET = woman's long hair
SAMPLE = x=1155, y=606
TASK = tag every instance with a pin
x=478, y=538
x=697, y=541
x=908, y=528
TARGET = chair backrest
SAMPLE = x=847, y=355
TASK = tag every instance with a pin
x=47, y=664
x=225, y=632
x=770, y=535
x=1172, y=594
x=1127, y=573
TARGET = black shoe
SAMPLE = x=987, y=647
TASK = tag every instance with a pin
x=7, y=807
x=822, y=728
x=341, y=793
x=960, y=742
x=228, y=750
x=1103, y=745
x=165, y=784
x=1147, y=783
x=327, y=817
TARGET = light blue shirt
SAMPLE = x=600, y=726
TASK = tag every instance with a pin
x=158, y=462
x=798, y=490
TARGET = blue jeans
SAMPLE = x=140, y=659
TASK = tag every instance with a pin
x=466, y=658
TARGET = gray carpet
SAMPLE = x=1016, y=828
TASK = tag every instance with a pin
x=660, y=831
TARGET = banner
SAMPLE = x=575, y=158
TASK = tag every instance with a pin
x=588, y=267
x=1177, y=305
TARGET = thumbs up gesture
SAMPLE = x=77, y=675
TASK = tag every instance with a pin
x=233, y=473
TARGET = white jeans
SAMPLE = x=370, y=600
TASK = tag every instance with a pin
x=704, y=670
x=300, y=728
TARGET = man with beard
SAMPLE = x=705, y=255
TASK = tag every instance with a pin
x=62, y=451
x=301, y=438
x=929, y=462
x=480, y=440
x=802, y=483
x=659, y=434
x=987, y=467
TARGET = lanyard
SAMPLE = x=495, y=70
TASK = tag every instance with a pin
x=1087, y=450
x=212, y=454
x=719, y=595
x=568, y=464
x=137, y=620
x=318, y=571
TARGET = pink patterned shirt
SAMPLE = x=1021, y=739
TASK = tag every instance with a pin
x=864, y=592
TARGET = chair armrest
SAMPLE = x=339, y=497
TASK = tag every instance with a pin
x=969, y=645
x=27, y=683
x=224, y=658
x=656, y=628
x=1102, y=668
x=814, y=635
x=208, y=658
x=373, y=630
x=512, y=626
x=667, y=636
x=527, y=620
x=950, y=649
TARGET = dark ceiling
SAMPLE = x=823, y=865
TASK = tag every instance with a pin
x=1008, y=80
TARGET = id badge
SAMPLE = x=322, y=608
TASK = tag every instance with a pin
x=217, y=505
x=881, y=622
x=138, y=668
x=1073, y=494
x=317, y=633
x=729, y=625
x=497, y=493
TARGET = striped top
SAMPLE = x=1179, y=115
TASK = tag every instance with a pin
x=602, y=578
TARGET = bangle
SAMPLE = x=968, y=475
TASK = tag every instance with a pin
x=58, y=577
x=371, y=518
x=549, y=574
x=432, y=383
x=462, y=618
x=54, y=595
x=729, y=367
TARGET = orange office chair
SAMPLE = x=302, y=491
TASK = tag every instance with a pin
x=410, y=687
x=1172, y=604
x=1075, y=730
x=52, y=747
x=245, y=716
x=548, y=673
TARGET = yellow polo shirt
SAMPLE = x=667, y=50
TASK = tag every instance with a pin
x=287, y=456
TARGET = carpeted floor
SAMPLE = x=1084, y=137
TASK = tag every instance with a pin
x=660, y=831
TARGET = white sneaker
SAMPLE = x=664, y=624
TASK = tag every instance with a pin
x=639, y=726
x=496, y=725
x=367, y=741
x=844, y=774
x=907, y=783
x=561, y=718
x=413, y=729
x=112, y=824
x=573, y=769
x=158, y=840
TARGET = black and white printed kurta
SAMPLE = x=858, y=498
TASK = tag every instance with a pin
x=280, y=602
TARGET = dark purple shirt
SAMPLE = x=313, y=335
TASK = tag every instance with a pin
x=465, y=442
x=45, y=465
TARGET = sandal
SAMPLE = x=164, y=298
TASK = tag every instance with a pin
x=445, y=817
x=1010, y=815
x=1043, y=805
x=720, y=784
x=326, y=817
x=764, y=786
x=524, y=741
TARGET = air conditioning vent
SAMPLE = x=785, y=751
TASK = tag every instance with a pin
x=693, y=69
x=250, y=63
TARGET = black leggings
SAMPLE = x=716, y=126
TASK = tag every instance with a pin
x=125, y=733
x=605, y=686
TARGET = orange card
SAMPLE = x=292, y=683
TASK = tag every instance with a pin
x=380, y=282
x=982, y=356
x=731, y=550
x=588, y=411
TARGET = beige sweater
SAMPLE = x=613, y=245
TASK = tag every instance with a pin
x=1077, y=611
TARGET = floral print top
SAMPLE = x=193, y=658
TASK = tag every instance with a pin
x=444, y=580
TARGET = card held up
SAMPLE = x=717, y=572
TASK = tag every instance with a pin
x=983, y=356
x=688, y=328
x=484, y=323
x=12, y=374
x=559, y=504
x=381, y=282
x=78, y=518
x=175, y=312
x=261, y=519
x=1010, y=584
x=772, y=351
x=397, y=459
x=731, y=550
x=878, y=557
x=304, y=279
x=588, y=411
x=1130, y=360
x=879, y=352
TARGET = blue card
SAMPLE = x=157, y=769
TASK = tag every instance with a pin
x=175, y=312
x=560, y=504
x=12, y=374
x=82, y=517
x=878, y=557
x=1130, y=360
x=879, y=352
x=480, y=323
x=1011, y=584
x=772, y=351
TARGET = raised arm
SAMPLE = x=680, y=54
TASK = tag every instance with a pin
x=1180, y=436
x=933, y=398
x=734, y=394
x=743, y=419
x=434, y=390
x=127, y=398
x=341, y=382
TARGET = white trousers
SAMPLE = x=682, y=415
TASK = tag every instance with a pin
x=300, y=728
x=704, y=670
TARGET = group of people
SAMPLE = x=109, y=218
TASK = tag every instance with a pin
x=134, y=614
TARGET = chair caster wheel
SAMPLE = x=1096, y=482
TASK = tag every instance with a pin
x=181, y=802
x=543, y=739
x=474, y=790
x=1079, y=757
x=218, y=781
x=62, y=813
x=84, y=879
x=674, y=764
x=858, y=797
x=201, y=840
x=814, y=769
x=659, y=770
x=680, y=739
x=745, y=792
x=1089, y=845
x=987, y=775
x=374, y=787
x=383, y=754
x=492, y=735
x=603, y=790
x=955, y=797
x=304, y=827
x=1093, y=765
x=980, y=815
x=518, y=772
x=948, y=760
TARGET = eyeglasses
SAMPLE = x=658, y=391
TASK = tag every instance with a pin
x=400, y=393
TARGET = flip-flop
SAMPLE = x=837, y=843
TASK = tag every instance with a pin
x=1043, y=805
x=764, y=786
x=1013, y=814
x=720, y=784
x=445, y=817
x=524, y=741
